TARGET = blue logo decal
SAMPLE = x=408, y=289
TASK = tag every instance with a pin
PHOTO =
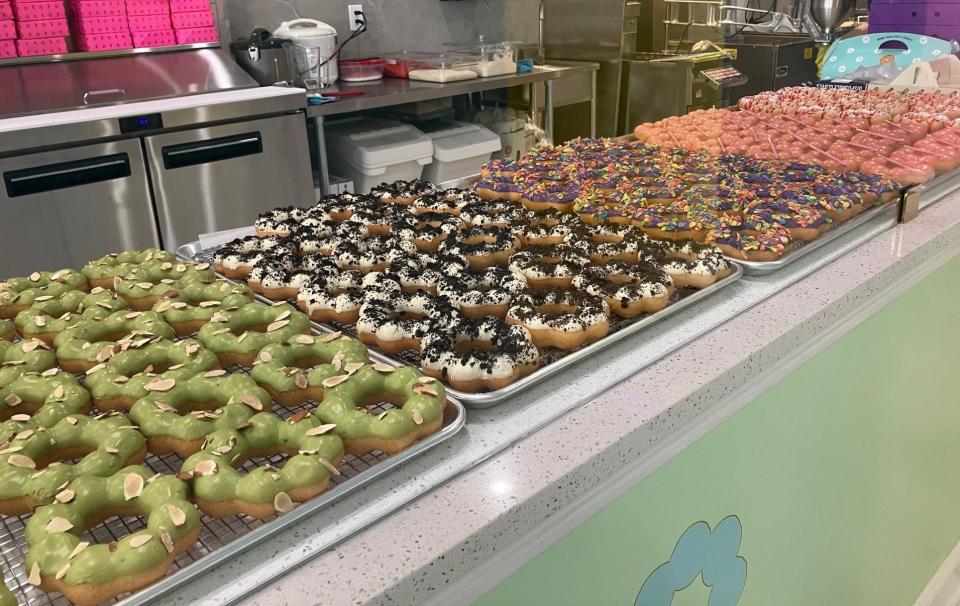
x=714, y=554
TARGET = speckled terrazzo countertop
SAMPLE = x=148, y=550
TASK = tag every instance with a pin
x=512, y=469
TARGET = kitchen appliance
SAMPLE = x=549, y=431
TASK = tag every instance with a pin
x=772, y=61
x=821, y=18
x=266, y=58
x=75, y=185
x=314, y=51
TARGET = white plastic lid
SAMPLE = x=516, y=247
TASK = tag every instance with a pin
x=376, y=143
x=454, y=141
x=304, y=29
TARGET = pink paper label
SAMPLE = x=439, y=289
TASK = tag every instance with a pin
x=192, y=20
x=189, y=6
x=100, y=25
x=41, y=46
x=153, y=39
x=7, y=30
x=8, y=49
x=38, y=11
x=148, y=7
x=149, y=23
x=6, y=13
x=53, y=28
x=98, y=8
x=98, y=42
x=197, y=35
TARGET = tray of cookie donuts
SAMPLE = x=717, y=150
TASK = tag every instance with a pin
x=155, y=420
x=488, y=296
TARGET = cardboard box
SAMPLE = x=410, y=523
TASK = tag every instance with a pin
x=148, y=7
x=97, y=8
x=197, y=35
x=42, y=46
x=86, y=26
x=38, y=11
x=153, y=39
x=149, y=23
x=192, y=20
x=51, y=28
x=100, y=42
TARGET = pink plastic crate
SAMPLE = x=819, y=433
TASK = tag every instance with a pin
x=8, y=30
x=148, y=7
x=38, y=11
x=192, y=20
x=153, y=39
x=101, y=42
x=51, y=28
x=189, y=6
x=41, y=46
x=197, y=35
x=149, y=23
x=86, y=26
x=8, y=49
x=97, y=8
x=6, y=12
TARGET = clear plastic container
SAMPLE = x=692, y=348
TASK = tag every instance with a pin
x=443, y=68
x=361, y=70
x=399, y=64
x=492, y=58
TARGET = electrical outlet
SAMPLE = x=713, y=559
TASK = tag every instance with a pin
x=355, y=16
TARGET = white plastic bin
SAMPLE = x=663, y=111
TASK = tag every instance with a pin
x=459, y=149
x=371, y=151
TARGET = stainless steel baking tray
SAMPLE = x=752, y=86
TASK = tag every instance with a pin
x=220, y=539
x=552, y=360
x=876, y=214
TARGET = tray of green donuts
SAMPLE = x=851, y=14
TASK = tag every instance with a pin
x=552, y=360
x=199, y=451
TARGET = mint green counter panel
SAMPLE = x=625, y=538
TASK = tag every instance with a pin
x=843, y=477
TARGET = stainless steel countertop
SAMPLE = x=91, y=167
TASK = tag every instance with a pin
x=394, y=91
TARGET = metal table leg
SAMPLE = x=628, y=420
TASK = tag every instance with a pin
x=320, y=149
x=548, y=109
x=593, y=107
x=534, y=109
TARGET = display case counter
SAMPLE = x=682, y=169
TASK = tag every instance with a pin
x=524, y=474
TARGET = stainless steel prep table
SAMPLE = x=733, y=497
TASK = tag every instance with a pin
x=395, y=91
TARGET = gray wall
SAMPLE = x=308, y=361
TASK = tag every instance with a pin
x=416, y=25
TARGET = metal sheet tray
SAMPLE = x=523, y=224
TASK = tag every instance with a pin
x=848, y=229
x=220, y=539
x=556, y=360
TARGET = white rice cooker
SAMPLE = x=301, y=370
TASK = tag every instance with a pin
x=314, y=45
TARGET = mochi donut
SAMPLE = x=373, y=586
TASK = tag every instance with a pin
x=16, y=359
x=58, y=560
x=45, y=398
x=7, y=330
x=17, y=294
x=44, y=320
x=237, y=336
x=102, y=271
x=90, y=342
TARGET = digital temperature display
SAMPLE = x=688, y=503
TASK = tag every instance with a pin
x=138, y=123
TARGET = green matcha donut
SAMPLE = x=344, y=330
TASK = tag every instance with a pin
x=421, y=401
x=6, y=596
x=45, y=397
x=30, y=472
x=238, y=336
x=57, y=560
x=221, y=491
x=7, y=330
x=155, y=366
x=21, y=357
x=148, y=283
x=17, y=294
x=90, y=342
x=197, y=301
x=102, y=271
x=294, y=372
x=178, y=420
x=45, y=320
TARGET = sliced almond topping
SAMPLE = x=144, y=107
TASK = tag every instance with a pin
x=202, y=266
x=301, y=381
x=282, y=503
x=353, y=367
x=334, y=381
x=144, y=286
x=242, y=337
x=185, y=475
x=78, y=549
x=12, y=449
x=65, y=496
x=274, y=326
x=243, y=425
x=426, y=380
x=56, y=525
x=161, y=385
x=178, y=305
x=284, y=315
x=40, y=321
x=208, y=303
x=164, y=306
x=112, y=546
x=166, y=266
x=104, y=354
x=23, y=435
x=140, y=540
x=35, y=276
x=224, y=449
x=206, y=468
x=215, y=373
x=417, y=418
x=20, y=418
x=320, y=429
x=12, y=399
x=58, y=392
x=181, y=268
x=305, y=340
x=264, y=356
x=59, y=274
x=111, y=450
x=382, y=415
x=63, y=571
x=219, y=317
x=167, y=542
x=132, y=486
x=330, y=466
x=19, y=460
x=192, y=348
x=30, y=345
x=337, y=361
x=252, y=401
x=121, y=379
x=332, y=336
x=34, y=577
x=104, y=305
x=426, y=391
x=303, y=414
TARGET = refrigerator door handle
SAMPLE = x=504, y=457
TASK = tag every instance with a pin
x=67, y=174
x=212, y=150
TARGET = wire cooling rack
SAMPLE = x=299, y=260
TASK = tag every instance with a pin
x=215, y=534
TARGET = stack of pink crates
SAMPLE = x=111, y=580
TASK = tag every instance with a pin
x=99, y=25
x=150, y=23
x=40, y=28
x=193, y=21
